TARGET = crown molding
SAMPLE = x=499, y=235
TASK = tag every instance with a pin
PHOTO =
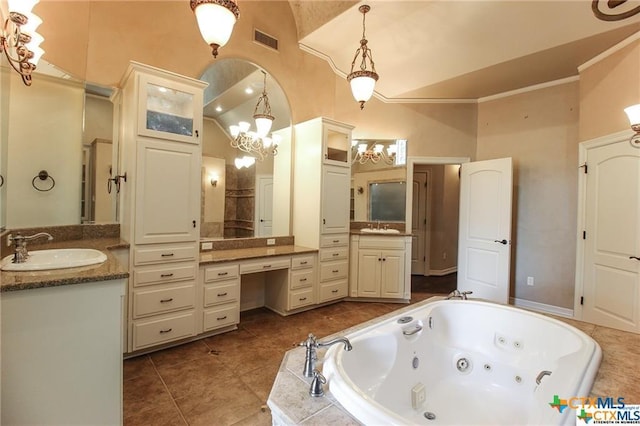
x=610, y=51
x=533, y=88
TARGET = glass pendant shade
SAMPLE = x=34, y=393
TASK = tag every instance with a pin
x=263, y=125
x=216, y=19
x=362, y=87
x=633, y=113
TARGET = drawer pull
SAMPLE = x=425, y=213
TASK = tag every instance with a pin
x=221, y=318
x=166, y=275
x=222, y=274
x=168, y=330
x=335, y=254
x=166, y=300
x=166, y=254
x=222, y=294
x=304, y=262
x=334, y=291
x=302, y=299
x=336, y=241
x=335, y=271
x=266, y=266
x=302, y=280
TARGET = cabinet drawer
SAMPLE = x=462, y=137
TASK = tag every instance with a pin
x=221, y=317
x=156, y=331
x=381, y=242
x=334, y=240
x=300, y=262
x=166, y=299
x=300, y=298
x=223, y=272
x=265, y=265
x=303, y=278
x=227, y=291
x=333, y=290
x=333, y=270
x=160, y=274
x=338, y=253
x=164, y=253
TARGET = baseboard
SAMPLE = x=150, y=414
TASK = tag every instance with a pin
x=441, y=272
x=541, y=307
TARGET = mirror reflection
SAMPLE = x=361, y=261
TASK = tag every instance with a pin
x=63, y=126
x=239, y=177
x=378, y=180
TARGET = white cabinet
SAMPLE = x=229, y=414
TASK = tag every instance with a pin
x=321, y=200
x=220, y=296
x=62, y=355
x=380, y=267
x=289, y=291
x=160, y=124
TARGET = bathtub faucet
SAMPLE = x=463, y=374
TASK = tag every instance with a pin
x=312, y=344
x=457, y=294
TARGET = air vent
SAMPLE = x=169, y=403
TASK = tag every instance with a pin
x=265, y=40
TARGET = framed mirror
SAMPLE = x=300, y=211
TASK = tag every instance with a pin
x=240, y=188
x=378, y=180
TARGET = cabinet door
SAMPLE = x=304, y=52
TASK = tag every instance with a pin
x=169, y=110
x=369, y=273
x=335, y=199
x=167, y=192
x=392, y=274
x=336, y=145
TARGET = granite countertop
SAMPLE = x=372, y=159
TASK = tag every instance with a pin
x=379, y=234
x=216, y=256
x=111, y=269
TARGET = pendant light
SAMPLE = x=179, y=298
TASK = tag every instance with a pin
x=216, y=19
x=363, y=80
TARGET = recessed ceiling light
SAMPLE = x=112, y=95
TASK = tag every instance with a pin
x=248, y=91
x=162, y=89
x=219, y=108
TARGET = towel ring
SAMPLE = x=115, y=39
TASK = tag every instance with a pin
x=1, y=181
x=43, y=175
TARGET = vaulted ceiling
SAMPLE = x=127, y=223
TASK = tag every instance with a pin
x=443, y=49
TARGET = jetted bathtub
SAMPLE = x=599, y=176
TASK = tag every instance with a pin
x=462, y=362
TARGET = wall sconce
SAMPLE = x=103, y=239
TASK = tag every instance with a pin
x=373, y=153
x=19, y=40
x=360, y=190
x=216, y=19
x=633, y=113
x=214, y=180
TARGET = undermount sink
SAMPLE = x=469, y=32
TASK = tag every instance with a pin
x=379, y=231
x=40, y=260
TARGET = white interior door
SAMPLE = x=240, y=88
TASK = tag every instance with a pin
x=418, y=227
x=264, y=204
x=611, y=283
x=484, y=242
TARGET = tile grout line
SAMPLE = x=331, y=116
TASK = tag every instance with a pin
x=175, y=404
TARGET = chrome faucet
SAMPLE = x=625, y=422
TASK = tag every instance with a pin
x=457, y=294
x=312, y=344
x=20, y=254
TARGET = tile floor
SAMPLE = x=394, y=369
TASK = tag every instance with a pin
x=226, y=379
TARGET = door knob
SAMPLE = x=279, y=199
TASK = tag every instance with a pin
x=504, y=242
x=634, y=257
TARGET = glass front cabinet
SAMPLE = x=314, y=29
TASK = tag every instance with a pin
x=336, y=145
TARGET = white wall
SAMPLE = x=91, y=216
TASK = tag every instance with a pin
x=45, y=133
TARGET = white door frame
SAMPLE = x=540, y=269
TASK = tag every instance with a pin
x=583, y=147
x=411, y=163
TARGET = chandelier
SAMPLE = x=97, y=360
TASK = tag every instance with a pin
x=216, y=19
x=19, y=40
x=363, y=81
x=257, y=143
x=374, y=153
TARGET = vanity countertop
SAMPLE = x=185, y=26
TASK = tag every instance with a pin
x=216, y=256
x=111, y=269
x=379, y=234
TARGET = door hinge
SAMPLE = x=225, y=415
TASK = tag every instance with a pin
x=425, y=221
x=584, y=235
x=582, y=300
x=585, y=168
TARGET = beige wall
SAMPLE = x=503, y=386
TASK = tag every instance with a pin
x=606, y=88
x=45, y=130
x=98, y=119
x=539, y=130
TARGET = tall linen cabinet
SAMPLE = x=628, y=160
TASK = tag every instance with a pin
x=160, y=146
x=322, y=175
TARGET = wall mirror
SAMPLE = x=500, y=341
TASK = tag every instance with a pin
x=238, y=197
x=64, y=126
x=378, y=180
